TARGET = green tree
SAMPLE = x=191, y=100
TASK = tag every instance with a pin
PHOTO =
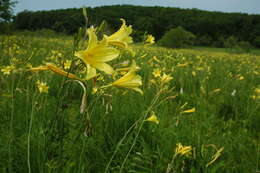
x=6, y=10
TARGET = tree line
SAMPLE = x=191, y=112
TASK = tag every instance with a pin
x=210, y=28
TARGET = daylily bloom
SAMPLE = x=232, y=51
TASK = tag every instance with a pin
x=7, y=70
x=42, y=86
x=121, y=38
x=97, y=54
x=189, y=111
x=150, y=39
x=183, y=150
x=165, y=78
x=153, y=118
x=156, y=72
x=130, y=80
x=67, y=64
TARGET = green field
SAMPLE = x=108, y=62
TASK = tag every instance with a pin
x=207, y=100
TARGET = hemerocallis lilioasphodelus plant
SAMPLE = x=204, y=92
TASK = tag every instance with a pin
x=122, y=37
x=97, y=54
x=130, y=80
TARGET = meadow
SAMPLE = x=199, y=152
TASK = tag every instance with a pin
x=196, y=110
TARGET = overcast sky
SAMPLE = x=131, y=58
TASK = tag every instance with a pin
x=245, y=6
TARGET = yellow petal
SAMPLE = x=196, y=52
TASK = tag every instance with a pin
x=153, y=118
x=189, y=111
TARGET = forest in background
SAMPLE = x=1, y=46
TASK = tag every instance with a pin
x=210, y=28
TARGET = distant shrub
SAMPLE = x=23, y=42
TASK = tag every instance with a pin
x=257, y=41
x=245, y=46
x=177, y=37
x=230, y=42
x=6, y=28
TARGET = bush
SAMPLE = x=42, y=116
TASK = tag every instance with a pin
x=231, y=42
x=245, y=46
x=178, y=38
x=257, y=41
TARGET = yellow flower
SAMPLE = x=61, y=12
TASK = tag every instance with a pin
x=183, y=150
x=97, y=54
x=121, y=38
x=59, y=71
x=157, y=72
x=257, y=90
x=150, y=39
x=42, y=86
x=156, y=59
x=7, y=69
x=153, y=118
x=182, y=65
x=130, y=80
x=165, y=78
x=189, y=111
x=67, y=64
x=216, y=90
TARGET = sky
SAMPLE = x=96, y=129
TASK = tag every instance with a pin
x=244, y=6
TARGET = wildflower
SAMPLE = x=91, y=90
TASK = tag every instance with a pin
x=42, y=86
x=150, y=39
x=94, y=90
x=153, y=118
x=130, y=80
x=156, y=59
x=157, y=72
x=182, y=65
x=216, y=90
x=183, y=150
x=97, y=54
x=7, y=69
x=67, y=64
x=193, y=73
x=257, y=90
x=59, y=71
x=121, y=38
x=189, y=111
x=165, y=78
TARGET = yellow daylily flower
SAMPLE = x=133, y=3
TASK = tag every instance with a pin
x=42, y=86
x=165, y=78
x=153, y=118
x=130, y=80
x=97, y=54
x=59, y=71
x=121, y=38
x=189, y=111
x=67, y=64
x=7, y=69
x=156, y=72
x=183, y=150
x=150, y=39
x=216, y=90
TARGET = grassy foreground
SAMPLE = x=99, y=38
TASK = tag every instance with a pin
x=208, y=114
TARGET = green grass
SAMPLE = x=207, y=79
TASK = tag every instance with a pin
x=46, y=132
